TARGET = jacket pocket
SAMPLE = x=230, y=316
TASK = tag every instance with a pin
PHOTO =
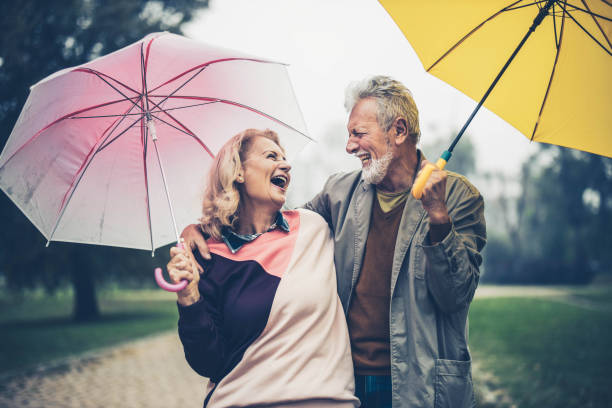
x=453, y=384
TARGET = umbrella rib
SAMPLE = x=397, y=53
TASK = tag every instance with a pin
x=105, y=116
x=240, y=105
x=70, y=115
x=550, y=80
x=177, y=89
x=84, y=166
x=180, y=107
x=206, y=64
x=465, y=37
x=106, y=144
x=598, y=25
x=67, y=116
x=586, y=31
x=587, y=10
x=554, y=18
x=99, y=75
x=535, y=3
x=140, y=114
x=143, y=72
x=187, y=132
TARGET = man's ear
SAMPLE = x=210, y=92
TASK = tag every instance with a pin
x=400, y=130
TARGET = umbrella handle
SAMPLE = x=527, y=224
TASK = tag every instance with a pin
x=170, y=287
x=419, y=183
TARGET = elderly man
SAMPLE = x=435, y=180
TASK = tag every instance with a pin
x=407, y=269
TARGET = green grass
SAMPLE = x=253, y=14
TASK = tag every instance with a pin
x=39, y=329
x=601, y=298
x=545, y=353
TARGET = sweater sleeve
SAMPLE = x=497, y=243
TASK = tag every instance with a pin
x=199, y=329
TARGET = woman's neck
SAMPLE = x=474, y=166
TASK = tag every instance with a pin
x=254, y=220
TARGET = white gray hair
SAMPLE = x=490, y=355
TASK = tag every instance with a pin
x=393, y=100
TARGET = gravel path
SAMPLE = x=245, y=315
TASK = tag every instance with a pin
x=150, y=372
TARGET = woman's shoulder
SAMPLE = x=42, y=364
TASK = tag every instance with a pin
x=307, y=218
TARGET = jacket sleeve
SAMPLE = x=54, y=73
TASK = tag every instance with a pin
x=320, y=203
x=452, y=264
x=199, y=328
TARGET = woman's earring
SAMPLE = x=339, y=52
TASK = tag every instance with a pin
x=240, y=179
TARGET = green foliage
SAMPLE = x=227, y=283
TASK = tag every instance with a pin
x=39, y=38
x=547, y=354
x=563, y=215
x=463, y=160
x=127, y=315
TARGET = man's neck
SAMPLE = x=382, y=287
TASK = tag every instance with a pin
x=401, y=173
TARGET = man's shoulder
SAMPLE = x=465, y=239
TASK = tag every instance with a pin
x=459, y=184
x=343, y=180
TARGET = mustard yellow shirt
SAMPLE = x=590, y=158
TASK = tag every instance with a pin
x=389, y=201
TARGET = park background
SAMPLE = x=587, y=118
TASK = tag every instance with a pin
x=548, y=209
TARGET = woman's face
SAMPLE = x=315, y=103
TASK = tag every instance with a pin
x=266, y=174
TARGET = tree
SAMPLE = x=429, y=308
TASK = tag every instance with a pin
x=39, y=38
x=463, y=160
x=559, y=233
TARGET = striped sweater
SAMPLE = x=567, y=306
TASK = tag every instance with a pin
x=269, y=328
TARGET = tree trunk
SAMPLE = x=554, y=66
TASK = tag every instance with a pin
x=85, y=301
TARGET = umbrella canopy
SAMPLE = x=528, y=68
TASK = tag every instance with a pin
x=97, y=147
x=558, y=88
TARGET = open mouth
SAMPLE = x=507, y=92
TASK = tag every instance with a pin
x=280, y=181
x=365, y=158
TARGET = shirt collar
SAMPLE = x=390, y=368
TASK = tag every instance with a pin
x=235, y=241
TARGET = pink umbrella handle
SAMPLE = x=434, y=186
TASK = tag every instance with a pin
x=170, y=287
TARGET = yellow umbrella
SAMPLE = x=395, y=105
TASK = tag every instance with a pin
x=550, y=62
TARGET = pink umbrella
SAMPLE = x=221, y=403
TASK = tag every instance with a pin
x=80, y=163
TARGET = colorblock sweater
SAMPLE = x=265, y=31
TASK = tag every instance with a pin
x=269, y=328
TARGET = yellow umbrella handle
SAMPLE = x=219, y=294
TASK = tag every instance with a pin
x=419, y=183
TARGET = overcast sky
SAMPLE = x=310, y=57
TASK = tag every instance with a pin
x=328, y=44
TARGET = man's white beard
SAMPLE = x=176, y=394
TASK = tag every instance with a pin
x=377, y=170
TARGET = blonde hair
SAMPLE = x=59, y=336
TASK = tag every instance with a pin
x=221, y=204
x=393, y=100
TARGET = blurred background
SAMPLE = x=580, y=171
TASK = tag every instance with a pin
x=540, y=326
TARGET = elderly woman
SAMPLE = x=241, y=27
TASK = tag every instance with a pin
x=264, y=321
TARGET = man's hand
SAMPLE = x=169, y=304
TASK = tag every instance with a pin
x=434, y=196
x=434, y=202
x=194, y=239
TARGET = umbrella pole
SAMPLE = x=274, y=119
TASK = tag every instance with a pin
x=151, y=127
x=170, y=287
x=419, y=184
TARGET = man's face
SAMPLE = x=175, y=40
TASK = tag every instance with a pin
x=368, y=141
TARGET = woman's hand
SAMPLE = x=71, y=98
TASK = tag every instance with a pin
x=182, y=266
